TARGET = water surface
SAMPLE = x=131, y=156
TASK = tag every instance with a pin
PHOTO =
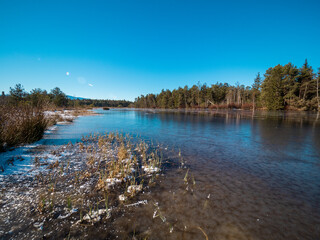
x=257, y=176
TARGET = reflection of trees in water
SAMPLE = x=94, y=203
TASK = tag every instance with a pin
x=316, y=135
x=294, y=133
x=195, y=116
x=296, y=137
x=316, y=143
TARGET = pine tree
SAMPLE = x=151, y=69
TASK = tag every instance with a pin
x=272, y=89
x=290, y=83
x=17, y=93
x=58, y=97
x=305, y=79
x=256, y=89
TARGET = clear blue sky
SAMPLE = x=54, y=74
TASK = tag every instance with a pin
x=120, y=49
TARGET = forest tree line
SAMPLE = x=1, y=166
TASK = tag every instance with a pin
x=22, y=118
x=282, y=87
x=54, y=99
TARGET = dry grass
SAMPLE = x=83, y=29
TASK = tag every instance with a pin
x=18, y=125
x=245, y=106
x=96, y=184
x=25, y=124
x=114, y=173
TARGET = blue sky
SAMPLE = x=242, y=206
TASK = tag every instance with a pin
x=121, y=49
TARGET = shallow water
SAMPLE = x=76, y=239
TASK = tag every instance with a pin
x=257, y=176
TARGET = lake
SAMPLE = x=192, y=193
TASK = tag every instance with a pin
x=254, y=176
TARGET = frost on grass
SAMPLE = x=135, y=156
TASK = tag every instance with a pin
x=77, y=185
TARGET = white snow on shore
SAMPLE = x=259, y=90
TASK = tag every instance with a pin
x=21, y=160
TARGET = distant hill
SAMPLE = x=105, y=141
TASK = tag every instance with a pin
x=75, y=98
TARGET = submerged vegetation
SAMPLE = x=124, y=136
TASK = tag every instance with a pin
x=283, y=87
x=86, y=190
x=88, y=184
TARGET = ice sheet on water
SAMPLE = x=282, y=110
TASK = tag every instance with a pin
x=21, y=160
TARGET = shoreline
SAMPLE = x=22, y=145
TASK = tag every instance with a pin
x=308, y=116
x=20, y=154
x=53, y=117
x=67, y=115
x=78, y=186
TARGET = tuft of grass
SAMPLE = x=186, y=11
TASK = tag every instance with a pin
x=123, y=153
x=193, y=181
x=205, y=235
x=185, y=179
x=69, y=203
x=36, y=161
x=41, y=204
x=106, y=201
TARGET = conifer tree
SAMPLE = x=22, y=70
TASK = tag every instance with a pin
x=256, y=89
x=272, y=92
x=305, y=80
x=17, y=93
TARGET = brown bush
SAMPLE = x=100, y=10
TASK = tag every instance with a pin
x=247, y=106
x=20, y=124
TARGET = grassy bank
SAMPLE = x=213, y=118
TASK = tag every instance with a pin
x=20, y=124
